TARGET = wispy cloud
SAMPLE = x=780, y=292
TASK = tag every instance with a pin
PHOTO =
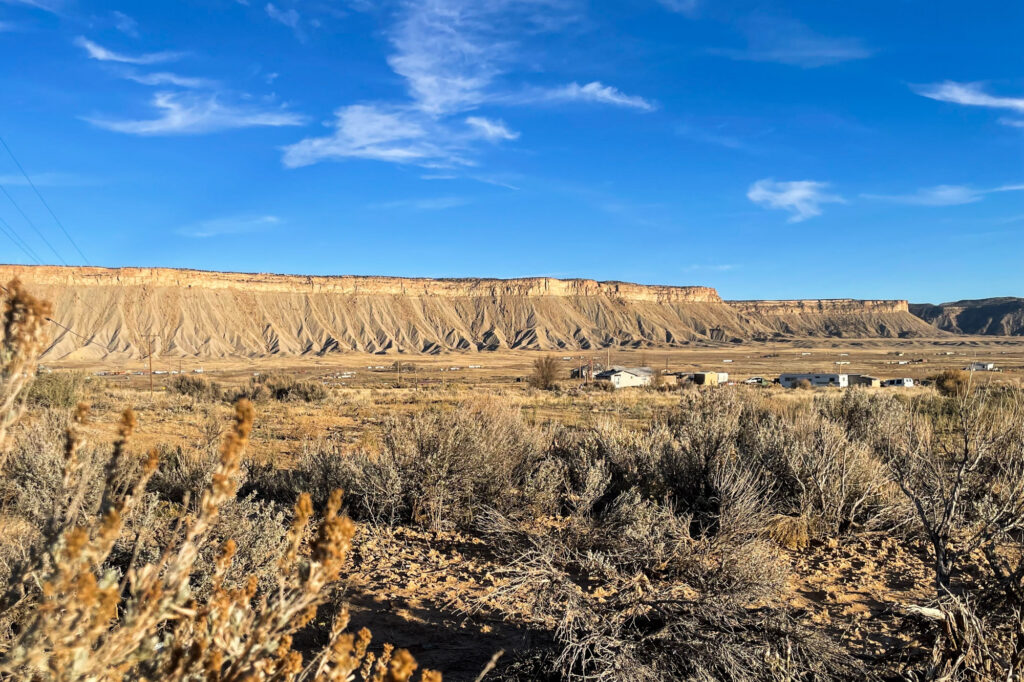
x=455, y=57
x=192, y=114
x=709, y=137
x=125, y=24
x=595, y=91
x=943, y=195
x=230, y=225
x=52, y=6
x=697, y=267
x=491, y=129
x=373, y=132
x=787, y=41
x=973, y=95
x=102, y=54
x=680, y=6
x=288, y=17
x=450, y=51
x=802, y=198
x=166, y=78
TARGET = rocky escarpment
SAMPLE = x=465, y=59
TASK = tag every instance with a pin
x=990, y=316
x=841, y=317
x=101, y=312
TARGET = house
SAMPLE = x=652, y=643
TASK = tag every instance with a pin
x=723, y=378
x=981, y=367
x=902, y=382
x=791, y=380
x=624, y=377
x=864, y=380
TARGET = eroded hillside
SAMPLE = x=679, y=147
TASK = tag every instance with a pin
x=101, y=312
x=989, y=316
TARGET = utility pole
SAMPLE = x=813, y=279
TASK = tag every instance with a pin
x=398, y=367
x=149, y=340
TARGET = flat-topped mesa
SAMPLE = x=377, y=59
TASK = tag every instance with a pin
x=820, y=306
x=354, y=284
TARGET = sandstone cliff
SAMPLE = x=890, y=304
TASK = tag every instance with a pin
x=990, y=316
x=101, y=312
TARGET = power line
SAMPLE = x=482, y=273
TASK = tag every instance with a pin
x=73, y=332
x=32, y=224
x=18, y=241
x=43, y=201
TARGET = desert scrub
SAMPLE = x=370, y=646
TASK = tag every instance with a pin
x=24, y=336
x=196, y=387
x=437, y=468
x=633, y=589
x=283, y=388
x=91, y=621
x=58, y=389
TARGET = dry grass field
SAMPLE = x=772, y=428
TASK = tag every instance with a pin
x=735, y=532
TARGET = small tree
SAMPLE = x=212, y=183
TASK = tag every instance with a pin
x=545, y=373
x=964, y=476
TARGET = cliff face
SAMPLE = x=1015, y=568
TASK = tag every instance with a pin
x=100, y=312
x=842, y=317
x=989, y=316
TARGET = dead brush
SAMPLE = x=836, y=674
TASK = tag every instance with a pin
x=86, y=621
x=24, y=338
x=790, y=532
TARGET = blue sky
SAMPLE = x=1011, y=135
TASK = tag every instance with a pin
x=771, y=150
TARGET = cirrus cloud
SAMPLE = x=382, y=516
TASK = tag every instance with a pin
x=188, y=114
x=100, y=53
x=801, y=198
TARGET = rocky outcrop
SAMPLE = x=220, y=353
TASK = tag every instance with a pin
x=101, y=312
x=988, y=316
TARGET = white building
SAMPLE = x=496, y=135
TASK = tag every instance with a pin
x=791, y=380
x=981, y=367
x=902, y=382
x=624, y=377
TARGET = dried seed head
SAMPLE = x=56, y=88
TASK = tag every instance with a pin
x=402, y=666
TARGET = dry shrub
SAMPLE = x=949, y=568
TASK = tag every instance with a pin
x=962, y=469
x=818, y=470
x=440, y=468
x=706, y=426
x=635, y=590
x=952, y=383
x=57, y=389
x=437, y=468
x=285, y=389
x=968, y=643
x=90, y=621
x=196, y=387
x=24, y=319
x=791, y=532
